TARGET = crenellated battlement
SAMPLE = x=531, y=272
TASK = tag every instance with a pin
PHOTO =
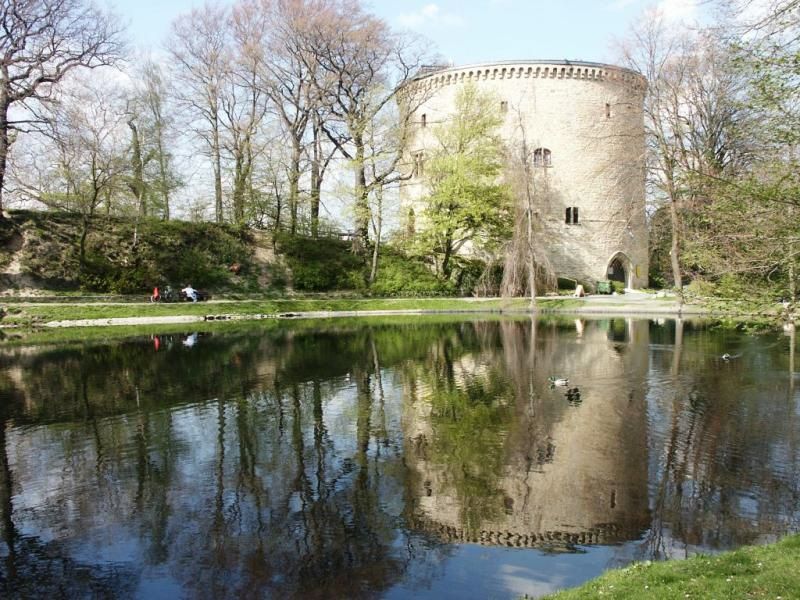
x=601, y=534
x=586, y=71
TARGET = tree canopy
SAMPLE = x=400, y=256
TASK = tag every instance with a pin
x=467, y=204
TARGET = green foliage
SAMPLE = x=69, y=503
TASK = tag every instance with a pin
x=660, y=275
x=473, y=276
x=466, y=203
x=322, y=264
x=400, y=275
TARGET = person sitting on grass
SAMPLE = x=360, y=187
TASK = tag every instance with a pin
x=190, y=292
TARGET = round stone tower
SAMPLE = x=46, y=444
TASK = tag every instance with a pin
x=583, y=125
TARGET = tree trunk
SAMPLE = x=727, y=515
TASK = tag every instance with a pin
x=316, y=181
x=162, y=172
x=361, y=197
x=448, y=252
x=217, y=160
x=239, y=182
x=137, y=181
x=675, y=246
x=531, y=257
x=376, y=246
x=529, y=215
x=294, y=186
x=4, y=144
x=792, y=266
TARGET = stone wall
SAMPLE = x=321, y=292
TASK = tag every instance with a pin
x=590, y=117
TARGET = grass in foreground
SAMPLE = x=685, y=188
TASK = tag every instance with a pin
x=753, y=572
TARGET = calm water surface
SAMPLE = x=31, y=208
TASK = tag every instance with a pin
x=411, y=459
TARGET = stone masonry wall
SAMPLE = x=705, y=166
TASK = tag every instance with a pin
x=590, y=117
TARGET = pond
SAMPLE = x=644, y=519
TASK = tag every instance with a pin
x=410, y=458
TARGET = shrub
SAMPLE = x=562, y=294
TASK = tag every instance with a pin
x=322, y=264
x=399, y=275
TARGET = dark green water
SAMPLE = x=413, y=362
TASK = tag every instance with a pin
x=411, y=459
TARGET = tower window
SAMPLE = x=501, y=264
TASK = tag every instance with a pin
x=608, y=110
x=542, y=158
x=503, y=106
x=423, y=121
x=571, y=215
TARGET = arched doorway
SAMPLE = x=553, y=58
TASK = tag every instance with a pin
x=619, y=269
x=616, y=270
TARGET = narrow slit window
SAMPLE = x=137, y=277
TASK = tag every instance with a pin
x=608, y=110
x=503, y=106
x=418, y=167
x=542, y=157
x=571, y=217
x=423, y=120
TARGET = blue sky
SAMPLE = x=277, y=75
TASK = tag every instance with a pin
x=468, y=31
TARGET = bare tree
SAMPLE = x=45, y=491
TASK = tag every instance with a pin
x=286, y=77
x=42, y=41
x=82, y=163
x=526, y=263
x=361, y=67
x=152, y=115
x=659, y=54
x=245, y=103
x=695, y=121
x=199, y=50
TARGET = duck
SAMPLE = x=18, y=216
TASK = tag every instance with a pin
x=559, y=381
x=726, y=357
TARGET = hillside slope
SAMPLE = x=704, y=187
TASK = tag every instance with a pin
x=43, y=251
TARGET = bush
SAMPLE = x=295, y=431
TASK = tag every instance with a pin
x=400, y=275
x=322, y=264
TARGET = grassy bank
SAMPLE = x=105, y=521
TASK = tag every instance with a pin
x=25, y=313
x=29, y=315
x=754, y=572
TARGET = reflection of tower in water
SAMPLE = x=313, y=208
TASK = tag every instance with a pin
x=539, y=469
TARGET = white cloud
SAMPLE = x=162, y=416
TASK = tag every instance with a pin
x=430, y=15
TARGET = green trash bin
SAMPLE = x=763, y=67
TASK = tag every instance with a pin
x=604, y=287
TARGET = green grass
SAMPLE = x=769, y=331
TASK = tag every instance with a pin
x=753, y=572
x=26, y=314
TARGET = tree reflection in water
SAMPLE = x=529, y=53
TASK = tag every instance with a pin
x=342, y=461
